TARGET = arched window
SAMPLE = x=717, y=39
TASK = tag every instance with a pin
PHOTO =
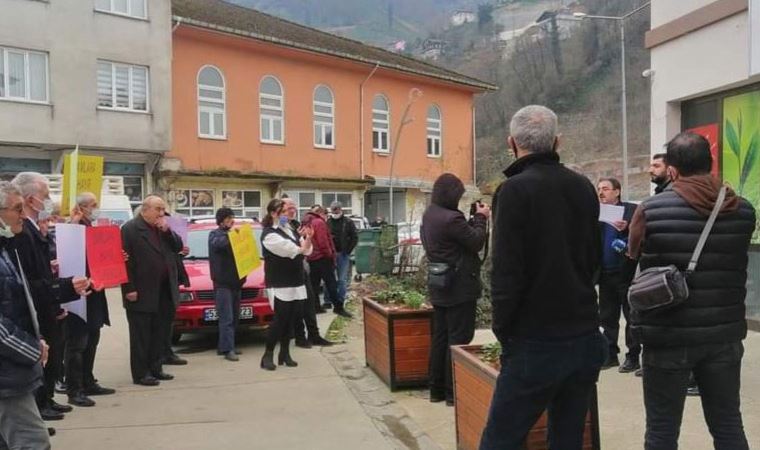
x=212, y=118
x=324, y=118
x=272, y=111
x=380, y=124
x=434, y=131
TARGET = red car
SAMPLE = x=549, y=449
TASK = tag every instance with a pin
x=196, y=311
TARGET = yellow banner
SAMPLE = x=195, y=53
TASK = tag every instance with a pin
x=88, y=177
x=244, y=249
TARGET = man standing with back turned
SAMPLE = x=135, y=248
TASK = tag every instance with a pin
x=546, y=251
x=704, y=334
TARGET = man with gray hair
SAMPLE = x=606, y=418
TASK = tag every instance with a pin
x=48, y=291
x=344, y=236
x=546, y=253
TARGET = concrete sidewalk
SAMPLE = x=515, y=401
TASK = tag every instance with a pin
x=213, y=403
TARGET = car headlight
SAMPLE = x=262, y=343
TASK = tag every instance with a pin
x=185, y=296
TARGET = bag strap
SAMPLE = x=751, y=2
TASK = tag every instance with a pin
x=706, y=231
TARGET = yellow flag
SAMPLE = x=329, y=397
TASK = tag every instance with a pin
x=87, y=177
x=245, y=250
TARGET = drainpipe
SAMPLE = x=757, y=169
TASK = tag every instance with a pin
x=474, y=148
x=361, y=121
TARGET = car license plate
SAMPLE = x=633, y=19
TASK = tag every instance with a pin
x=210, y=315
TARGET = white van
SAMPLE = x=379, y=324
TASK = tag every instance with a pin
x=114, y=205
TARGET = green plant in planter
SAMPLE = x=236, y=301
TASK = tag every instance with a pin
x=401, y=292
x=414, y=299
x=490, y=353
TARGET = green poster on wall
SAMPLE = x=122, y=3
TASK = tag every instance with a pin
x=741, y=147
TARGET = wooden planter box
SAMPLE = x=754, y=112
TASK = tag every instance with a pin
x=397, y=343
x=474, y=383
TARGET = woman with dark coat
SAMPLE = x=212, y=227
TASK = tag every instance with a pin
x=449, y=238
x=284, y=277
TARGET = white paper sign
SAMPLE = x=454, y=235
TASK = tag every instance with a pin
x=754, y=37
x=610, y=213
x=72, y=261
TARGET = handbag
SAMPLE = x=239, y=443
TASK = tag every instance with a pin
x=440, y=275
x=665, y=287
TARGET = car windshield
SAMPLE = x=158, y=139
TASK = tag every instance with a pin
x=117, y=217
x=197, y=240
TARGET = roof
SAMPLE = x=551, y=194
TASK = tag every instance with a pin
x=225, y=17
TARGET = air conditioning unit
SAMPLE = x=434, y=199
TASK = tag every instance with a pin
x=112, y=184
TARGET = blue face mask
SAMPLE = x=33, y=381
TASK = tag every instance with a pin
x=283, y=220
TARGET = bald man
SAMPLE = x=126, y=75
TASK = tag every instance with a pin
x=152, y=290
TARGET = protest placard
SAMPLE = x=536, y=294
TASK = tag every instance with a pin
x=104, y=257
x=244, y=249
x=70, y=246
x=84, y=172
x=178, y=224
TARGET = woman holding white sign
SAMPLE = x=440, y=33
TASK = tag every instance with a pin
x=284, y=277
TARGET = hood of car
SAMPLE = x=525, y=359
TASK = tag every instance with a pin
x=200, y=276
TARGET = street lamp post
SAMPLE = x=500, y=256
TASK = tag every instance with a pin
x=624, y=93
x=414, y=94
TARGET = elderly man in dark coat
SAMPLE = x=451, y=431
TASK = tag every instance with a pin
x=152, y=289
x=450, y=239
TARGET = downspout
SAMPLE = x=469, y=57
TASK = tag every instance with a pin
x=361, y=121
x=474, y=149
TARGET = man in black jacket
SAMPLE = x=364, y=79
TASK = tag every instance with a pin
x=344, y=236
x=546, y=251
x=227, y=283
x=48, y=291
x=152, y=290
x=449, y=239
x=658, y=172
x=703, y=335
x=22, y=351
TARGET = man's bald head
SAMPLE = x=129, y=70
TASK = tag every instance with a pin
x=153, y=208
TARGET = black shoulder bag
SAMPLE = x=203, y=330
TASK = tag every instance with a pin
x=660, y=288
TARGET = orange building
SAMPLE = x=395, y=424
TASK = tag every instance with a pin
x=262, y=107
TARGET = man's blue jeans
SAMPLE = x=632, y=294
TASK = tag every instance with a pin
x=343, y=276
x=544, y=374
x=228, y=313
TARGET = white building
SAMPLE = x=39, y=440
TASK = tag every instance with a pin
x=96, y=73
x=462, y=17
x=705, y=75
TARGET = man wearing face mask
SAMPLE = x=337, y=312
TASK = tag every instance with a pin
x=82, y=337
x=48, y=291
x=344, y=236
x=23, y=352
x=227, y=283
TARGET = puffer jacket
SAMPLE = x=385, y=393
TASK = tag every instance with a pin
x=20, y=368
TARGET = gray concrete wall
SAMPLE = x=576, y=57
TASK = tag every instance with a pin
x=75, y=37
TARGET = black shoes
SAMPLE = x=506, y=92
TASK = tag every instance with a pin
x=629, y=365
x=61, y=387
x=303, y=343
x=51, y=431
x=48, y=413
x=231, y=356
x=320, y=341
x=175, y=360
x=286, y=360
x=267, y=361
x=639, y=372
x=163, y=376
x=148, y=380
x=612, y=361
x=326, y=305
x=221, y=353
x=437, y=397
x=57, y=407
x=79, y=399
x=343, y=313
x=97, y=389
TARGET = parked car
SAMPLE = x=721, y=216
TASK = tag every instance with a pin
x=196, y=312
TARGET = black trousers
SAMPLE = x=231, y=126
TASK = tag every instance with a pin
x=146, y=343
x=307, y=316
x=324, y=270
x=613, y=297
x=285, y=314
x=167, y=317
x=52, y=371
x=81, y=347
x=717, y=370
x=452, y=325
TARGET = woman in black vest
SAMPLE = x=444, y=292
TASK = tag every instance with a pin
x=284, y=277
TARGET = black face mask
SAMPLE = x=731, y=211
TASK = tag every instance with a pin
x=225, y=227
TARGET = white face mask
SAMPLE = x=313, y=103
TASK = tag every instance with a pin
x=5, y=230
x=47, y=209
x=336, y=215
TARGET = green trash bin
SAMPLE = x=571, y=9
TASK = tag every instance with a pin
x=376, y=250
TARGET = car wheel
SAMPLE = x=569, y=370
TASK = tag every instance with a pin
x=176, y=337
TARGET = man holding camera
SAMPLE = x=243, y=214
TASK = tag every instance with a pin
x=613, y=286
x=452, y=245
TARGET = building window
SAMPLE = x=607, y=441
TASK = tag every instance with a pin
x=345, y=199
x=272, y=111
x=193, y=202
x=434, y=131
x=324, y=118
x=23, y=75
x=380, y=124
x=131, y=8
x=243, y=203
x=123, y=87
x=212, y=118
